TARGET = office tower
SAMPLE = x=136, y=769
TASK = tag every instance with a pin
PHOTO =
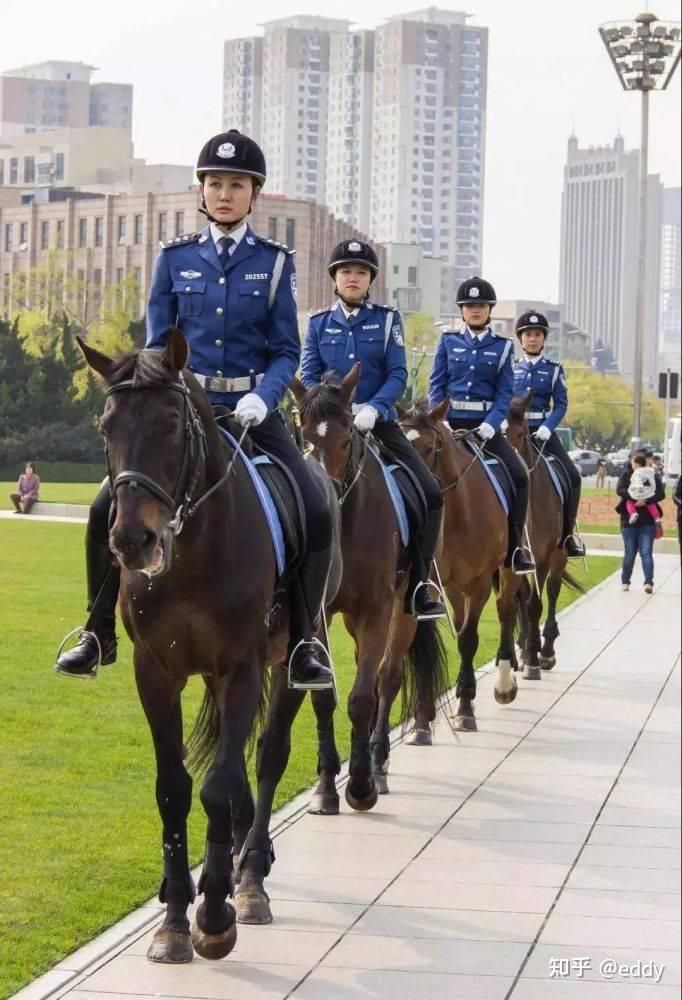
x=243, y=86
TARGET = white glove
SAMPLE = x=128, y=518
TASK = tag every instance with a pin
x=543, y=433
x=485, y=431
x=365, y=419
x=250, y=410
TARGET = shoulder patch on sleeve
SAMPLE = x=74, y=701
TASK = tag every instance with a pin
x=179, y=241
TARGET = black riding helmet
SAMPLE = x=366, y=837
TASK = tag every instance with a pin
x=353, y=252
x=532, y=320
x=476, y=291
x=233, y=153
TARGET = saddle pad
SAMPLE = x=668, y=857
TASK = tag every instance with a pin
x=396, y=499
x=496, y=474
x=266, y=501
x=555, y=474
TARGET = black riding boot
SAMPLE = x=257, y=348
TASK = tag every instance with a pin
x=419, y=601
x=572, y=545
x=306, y=672
x=99, y=633
x=519, y=558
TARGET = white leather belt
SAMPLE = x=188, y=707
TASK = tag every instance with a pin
x=216, y=383
x=537, y=415
x=477, y=407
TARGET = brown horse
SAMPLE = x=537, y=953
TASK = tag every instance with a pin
x=474, y=548
x=545, y=528
x=197, y=584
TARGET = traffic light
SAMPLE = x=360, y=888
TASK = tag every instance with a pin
x=668, y=385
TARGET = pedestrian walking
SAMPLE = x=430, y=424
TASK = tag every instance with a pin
x=639, y=532
x=27, y=491
x=601, y=474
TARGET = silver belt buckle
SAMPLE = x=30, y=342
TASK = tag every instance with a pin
x=218, y=384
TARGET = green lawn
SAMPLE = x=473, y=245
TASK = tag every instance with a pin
x=55, y=493
x=79, y=846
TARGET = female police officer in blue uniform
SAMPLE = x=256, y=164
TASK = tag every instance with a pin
x=232, y=293
x=550, y=401
x=473, y=366
x=353, y=330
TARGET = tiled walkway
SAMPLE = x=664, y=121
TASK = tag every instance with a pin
x=511, y=862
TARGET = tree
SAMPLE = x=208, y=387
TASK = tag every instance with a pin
x=421, y=340
x=600, y=410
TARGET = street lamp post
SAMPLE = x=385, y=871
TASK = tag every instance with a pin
x=645, y=53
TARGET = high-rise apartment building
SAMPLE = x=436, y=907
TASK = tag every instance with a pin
x=58, y=94
x=243, y=86
x=671, y=270
x=599, y=250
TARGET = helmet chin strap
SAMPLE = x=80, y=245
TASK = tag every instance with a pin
x=347, y=302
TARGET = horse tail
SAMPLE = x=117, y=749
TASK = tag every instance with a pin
x=426, y=679
x=572, y=583
x=202, y=743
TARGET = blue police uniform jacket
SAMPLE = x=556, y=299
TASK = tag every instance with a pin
x=550, y=397
x=225, y=312
x=374, y=337
x=476, y=373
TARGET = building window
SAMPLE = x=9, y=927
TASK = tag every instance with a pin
x=9, y=237
x=272, y=227
x=163, y=226
x=290, y=238
x=138, y=228
x=179, y=223
x=44, y=235
x=23, y=236
x=82, y=232
x=60, y=234
x=59, y=167
x=29, y=170
x=2, y=172
x=121, y=230
x=412, y=276
x=14, y=170
x=99, y=231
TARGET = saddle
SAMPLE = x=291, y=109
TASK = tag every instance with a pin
x=404, y=489
x=496, y=471
x=557, y=473
x=277, y=492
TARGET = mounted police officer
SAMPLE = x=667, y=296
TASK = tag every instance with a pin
x=232, y=293
x=355, y=329
x=550, y=401
x=473, y=366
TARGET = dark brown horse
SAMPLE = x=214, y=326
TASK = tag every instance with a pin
x=197, y=583
x=545, y=527
x=474, y=549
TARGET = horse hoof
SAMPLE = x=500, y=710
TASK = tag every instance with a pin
x=506, y=697
x=532, y=673
x=465, y=724
x=171, y=947
x=324, y=804
x=420, y=738
x=214, y=946
x=381, y=781
x=362, y=805
x=253, y=908
x=547, y=662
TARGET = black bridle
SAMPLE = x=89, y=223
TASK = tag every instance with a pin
x=180, y=502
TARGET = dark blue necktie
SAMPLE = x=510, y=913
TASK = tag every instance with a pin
x=224, y=249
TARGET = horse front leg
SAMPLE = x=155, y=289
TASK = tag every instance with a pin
x=369, y=634
x=257, y=855
x=477, y=595
x=214, y=931
x=507, y=610
x=550, y=632
x=160, y=699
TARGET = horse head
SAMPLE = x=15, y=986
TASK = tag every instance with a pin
x=423, y=427
x=327, y=419
x=155, y=449
x=517, y=427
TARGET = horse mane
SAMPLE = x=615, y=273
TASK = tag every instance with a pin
x=418, y=416
x=144, y=368
x=325, y=402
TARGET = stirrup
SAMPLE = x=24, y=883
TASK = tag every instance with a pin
x=92, y=675
x=296, y=685
x=413, y=601
x=575, y=537
x=524, y=572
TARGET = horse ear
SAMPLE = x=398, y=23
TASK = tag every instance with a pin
x=401, y=411
x=349, y=383
x=527, y=399
x=176, y=351
x=440, y=412
x=99, y=362
x=298, y=389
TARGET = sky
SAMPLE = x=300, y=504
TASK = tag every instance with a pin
x=548, y=75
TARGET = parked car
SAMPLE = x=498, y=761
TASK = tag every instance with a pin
x=586, y=462
x=617, y=462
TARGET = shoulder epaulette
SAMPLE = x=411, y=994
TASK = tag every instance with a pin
x=320, y=312
x=274, y=244
x=179, y=241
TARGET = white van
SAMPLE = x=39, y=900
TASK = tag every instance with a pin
x=672, y=449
